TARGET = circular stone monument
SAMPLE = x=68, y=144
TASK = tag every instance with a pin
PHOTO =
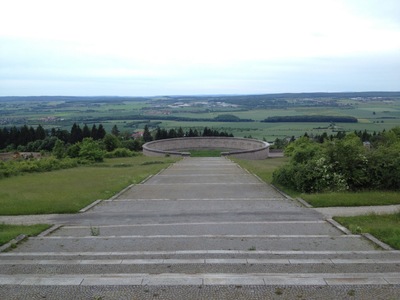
x=236, y=147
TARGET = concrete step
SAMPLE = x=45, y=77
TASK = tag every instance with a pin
x=196, y=242
x=214, y=228
x=194, y=171
x=204, y=190
x=169, y=288
x=262, y=279
x=272, y=255
x=182, y=206
x=166, y=178
x=193, y=266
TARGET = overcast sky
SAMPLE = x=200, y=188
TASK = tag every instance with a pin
x=170, y=47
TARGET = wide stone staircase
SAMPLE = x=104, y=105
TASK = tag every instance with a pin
x=203, y=228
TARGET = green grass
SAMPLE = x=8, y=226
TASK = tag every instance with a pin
x=205, y=153
x=262, y=168
x=352, y=199
x=8, y=232
x=384, y=227
x=69, y=190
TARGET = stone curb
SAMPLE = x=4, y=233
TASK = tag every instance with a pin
x=262, y=181
x=338, y=226
x=93, y=204
x=121, y=192
x=280, y=192
x=305, y=203
x=376, y=241
x=131, y=185
x=15, y=241
x=50, y=230
x=146, y=179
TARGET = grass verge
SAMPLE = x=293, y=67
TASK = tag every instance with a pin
x=369, y=198
x=8, y=232
x=262, y=168
x=205, y=153
x=69, y=190
x=384, y=227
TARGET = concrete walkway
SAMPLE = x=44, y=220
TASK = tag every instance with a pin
x=202, y=229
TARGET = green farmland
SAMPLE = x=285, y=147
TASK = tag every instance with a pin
x=373, y=111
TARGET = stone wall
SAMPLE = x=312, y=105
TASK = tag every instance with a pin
x=236, y=147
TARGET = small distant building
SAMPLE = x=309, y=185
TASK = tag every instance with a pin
x=367, y=145
x=137, y=135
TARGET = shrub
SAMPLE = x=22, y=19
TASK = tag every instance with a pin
x=91, y=150
x=121, y=152
x=11, y=168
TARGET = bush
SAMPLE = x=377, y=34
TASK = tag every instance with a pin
x=133, y=145
x=121, y=152
x=12, y=167
x=313, y=176
x=91, y=150
x=111, y=142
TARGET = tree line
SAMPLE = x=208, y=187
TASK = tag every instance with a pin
x=365, y=136
x=15, y=138
x=162, y=133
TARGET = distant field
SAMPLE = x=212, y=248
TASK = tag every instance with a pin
x=374, y=112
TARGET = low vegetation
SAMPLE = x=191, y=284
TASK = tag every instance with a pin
x=17, y=167
x=8, y=232
x=69, y=190
x=384, y=227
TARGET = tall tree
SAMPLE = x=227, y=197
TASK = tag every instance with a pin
x=147, y=135
x=3, y=137
x=180, y=133
x=101, y=133
x=86, y=131
x=94, y=132
x=40, y=133
x=76, y=134
x=25, y=136
x=115, y=130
